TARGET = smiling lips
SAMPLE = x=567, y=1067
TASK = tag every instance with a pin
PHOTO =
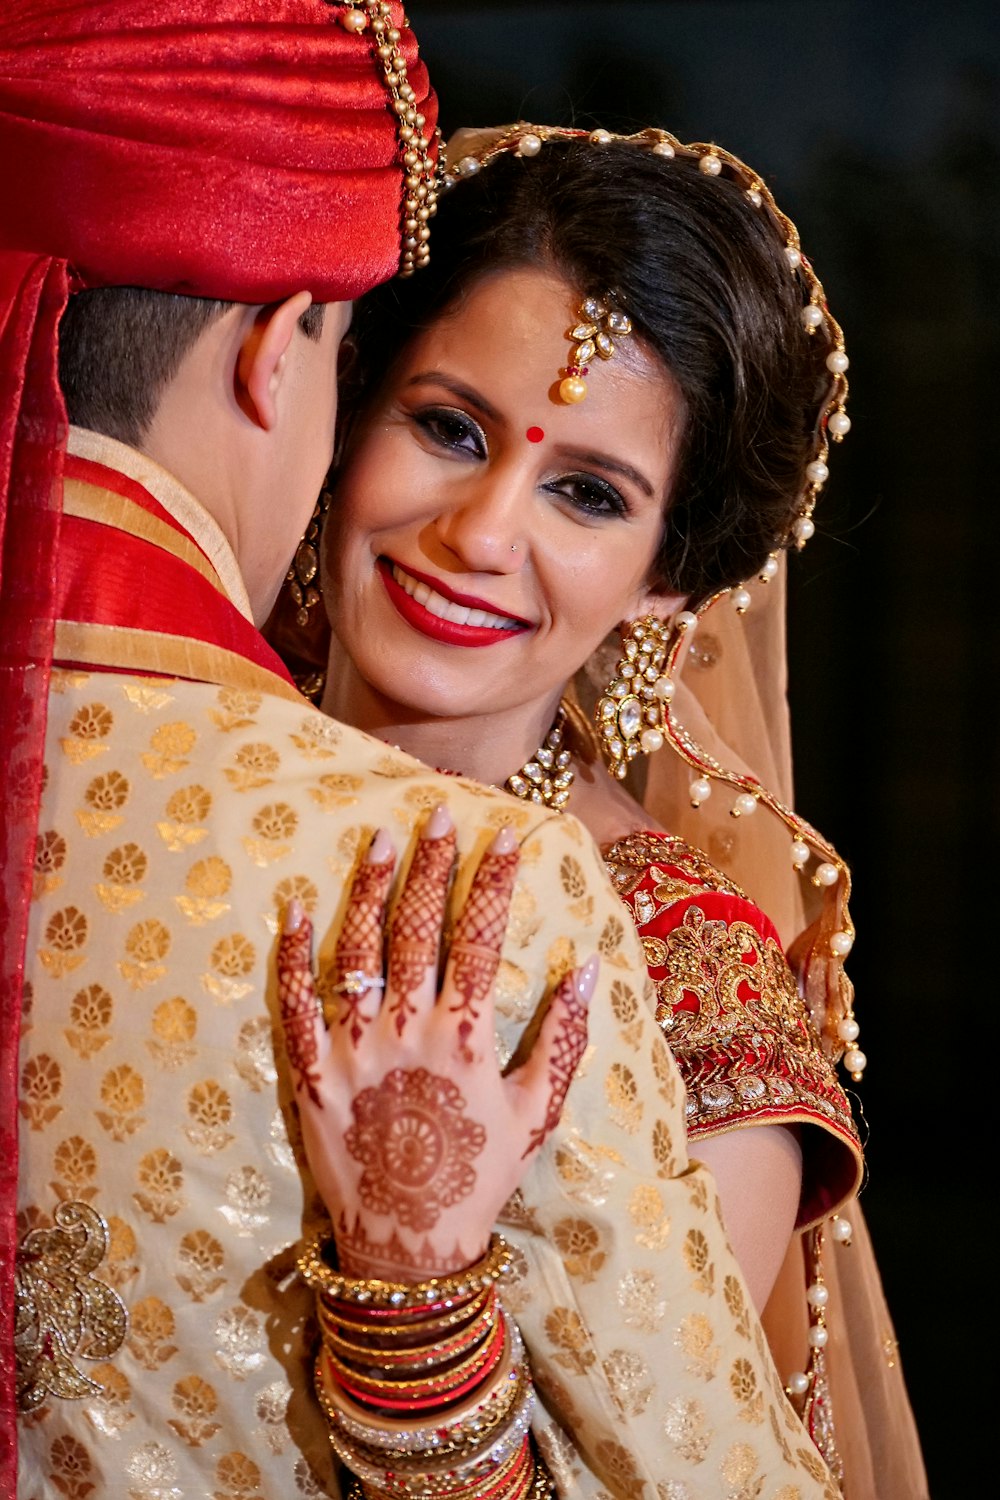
x=455, y=619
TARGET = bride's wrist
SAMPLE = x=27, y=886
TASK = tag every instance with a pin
x=397, y=1279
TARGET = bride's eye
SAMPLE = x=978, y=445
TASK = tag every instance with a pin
x=452, y=428
x=587, y=493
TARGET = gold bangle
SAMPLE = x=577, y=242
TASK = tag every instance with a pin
x=401, y=1296
x=460, y=1428
x=412, y=1386
x=411, y=1356
x=431, y=1326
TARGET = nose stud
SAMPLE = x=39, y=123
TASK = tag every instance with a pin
x=513, y=546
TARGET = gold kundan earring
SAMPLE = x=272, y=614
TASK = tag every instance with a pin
x=301, y=576
x=631, y=712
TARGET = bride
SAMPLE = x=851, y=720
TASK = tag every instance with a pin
x=605, y=407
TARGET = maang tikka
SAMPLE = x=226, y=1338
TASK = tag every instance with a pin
x=599, y=320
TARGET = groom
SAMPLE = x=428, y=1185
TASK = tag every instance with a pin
x=213, y=183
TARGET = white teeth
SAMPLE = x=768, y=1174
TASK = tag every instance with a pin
x=447, y=609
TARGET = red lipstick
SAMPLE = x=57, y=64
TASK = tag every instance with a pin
x=449, y=632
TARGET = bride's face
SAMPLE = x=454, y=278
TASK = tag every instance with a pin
x=485, y=537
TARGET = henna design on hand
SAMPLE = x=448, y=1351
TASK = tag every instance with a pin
x=359, y=947
x=416, y=1144
x=299, y=1008
x=390, y=1260
x=416, y=929
x=479, y=933
x=568, y=1047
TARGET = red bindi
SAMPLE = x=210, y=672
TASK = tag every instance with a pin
x=534, y=434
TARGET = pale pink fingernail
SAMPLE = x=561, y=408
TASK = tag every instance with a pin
x=293, y=916
x=380, y=849
x=505, y=841
x=586, y=979
x=439, y=823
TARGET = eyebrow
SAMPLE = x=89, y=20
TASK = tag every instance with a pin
x=463, y=392
x=613, y=465
x=578, y=455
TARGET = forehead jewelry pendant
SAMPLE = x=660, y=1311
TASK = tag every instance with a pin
x=594, y=335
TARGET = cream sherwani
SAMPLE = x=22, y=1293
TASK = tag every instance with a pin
x=161, y=1171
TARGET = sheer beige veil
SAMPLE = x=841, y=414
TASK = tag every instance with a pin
x=732, y=699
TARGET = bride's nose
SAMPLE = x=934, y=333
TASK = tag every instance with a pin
x=485, y=526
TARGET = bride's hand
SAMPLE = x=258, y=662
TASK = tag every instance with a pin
x=414, y=1136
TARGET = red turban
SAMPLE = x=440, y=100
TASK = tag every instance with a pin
x=239, y=149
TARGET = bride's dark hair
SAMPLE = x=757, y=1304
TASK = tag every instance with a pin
x=704, y=278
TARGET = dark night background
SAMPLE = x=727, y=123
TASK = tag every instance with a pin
x=876, y=124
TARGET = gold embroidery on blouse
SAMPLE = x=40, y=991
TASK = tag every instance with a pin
x=63, y=1311
x=745, y=1044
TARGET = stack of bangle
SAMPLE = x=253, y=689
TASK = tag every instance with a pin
x=425, y=1385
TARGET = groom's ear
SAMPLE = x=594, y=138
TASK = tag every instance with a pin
x=262, y=358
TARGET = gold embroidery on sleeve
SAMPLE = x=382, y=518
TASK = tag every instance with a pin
x=62, y=1310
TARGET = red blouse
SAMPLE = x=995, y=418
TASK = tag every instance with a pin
x=730, y=1009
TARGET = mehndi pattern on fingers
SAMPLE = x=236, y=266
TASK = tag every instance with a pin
x=416, y=1144
x=414, y=943
x=479, y=934
x=567, y=1049
x=359, y=947
x=300, y=1009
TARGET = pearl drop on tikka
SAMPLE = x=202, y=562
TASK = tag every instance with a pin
x=800, y=853
x=744, y=806
x=817, y=1295
x=804, y=528
x=841, y=944
x=826, y=874
x=685, y=620
x=794, y=257
x=839, y=424
x=768, y=570
x=848, y=1029
x=573, y=390
x=741, y=600
x=651, y=740
x=837, y=362
x=812, y=316
x=817, y=472
x=467, y=167
x=663, y=148
x=600, y=138
x=798, y=1384
x=700, y=791
x=841, y=1230
x=529, y=145
x=818, y=1337
x=710, y=164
